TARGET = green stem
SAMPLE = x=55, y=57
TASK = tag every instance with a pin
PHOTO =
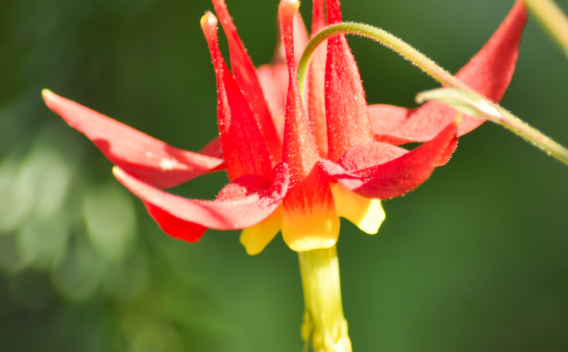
x=390, y=41
x=507, y=120
x=473, y=106
x=534, y=136
x=324, y=322
x=553, y=20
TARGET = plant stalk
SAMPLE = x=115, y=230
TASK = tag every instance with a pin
x=552, y=19
x=324, y=322
x=473, y=106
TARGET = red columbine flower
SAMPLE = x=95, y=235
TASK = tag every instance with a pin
x=293, y=168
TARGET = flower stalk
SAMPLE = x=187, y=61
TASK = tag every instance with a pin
x=428, y=66
x=471, y=105
x=385, y=38
x=324, y=322
x=552, y=19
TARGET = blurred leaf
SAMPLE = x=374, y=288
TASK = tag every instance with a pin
x=42, y=243
x=156, y=338
x=110, y=219
x=127, y=278
x=32, y=290
x=12, y=207
x=11, y=260
x=79, y=272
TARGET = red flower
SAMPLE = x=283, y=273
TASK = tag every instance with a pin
x=294, y=169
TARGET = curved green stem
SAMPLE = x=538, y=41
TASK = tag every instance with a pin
x=506, y=119
x=534, y=136
x=471, y=105
x=390, y=41
x=553, y=20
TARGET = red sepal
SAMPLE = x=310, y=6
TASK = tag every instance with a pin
x=394, y=172
x=174, y=226
x=245, y=75
x=242, y=203
x=213, y=148
x=301, y=40
x=316, y=82
x=309, y=187
x=367, y=155
x=345, y=105
x=384, y=118
x=318, y=17
x=333, y=10
x=146, y=158
x=309, y=218
x=273, y=79
x=489, y=73
x=299, y=149
x=244, y=148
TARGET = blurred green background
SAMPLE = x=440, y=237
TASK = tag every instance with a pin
x=473, y=260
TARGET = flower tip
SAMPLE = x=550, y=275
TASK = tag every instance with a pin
x=208, y=22
x=118, y=172
x=46, y=93
x=218, y=2
x=289, y=7
x=50, y=98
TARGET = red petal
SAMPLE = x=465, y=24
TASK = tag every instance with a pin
x=213, y=148
x=316, y=99
x=364, y=156
x=385, y=118
x=299, y=149
x=333, y=11
x=144, y=157
x=243, y=187
x=274, y=82
x=316, y=83
x=245, y=75
x=345, y=105
x=489, y=73
x=448, y=152
x=235, y=210
x=301, y=40
x=318, y=17
x=309, y=217
x=176, y=227
x=273, y=78
x=398, y=176
x=244, y=147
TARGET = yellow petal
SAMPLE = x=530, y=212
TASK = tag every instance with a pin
x=306, y=230
x=367, y=214
x=257, y=237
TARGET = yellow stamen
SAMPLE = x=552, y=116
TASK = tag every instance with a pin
x=257, y=237
x=367, y=214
